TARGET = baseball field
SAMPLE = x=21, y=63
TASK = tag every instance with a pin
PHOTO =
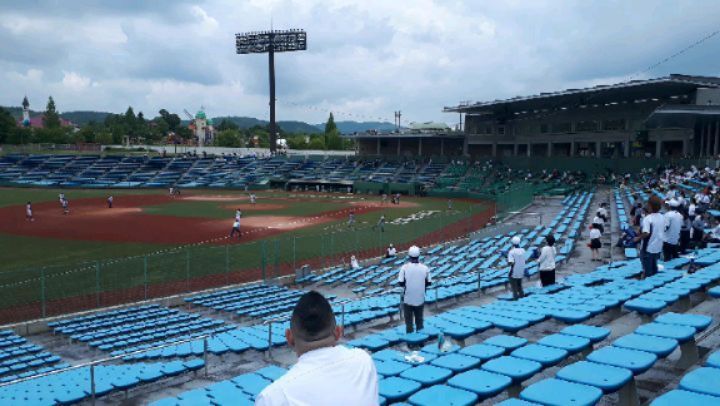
x=151, y=244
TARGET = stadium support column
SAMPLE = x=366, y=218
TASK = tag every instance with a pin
x=626, y=147
x=597, y=149
x=398, y=148
x=529, y=150
x=717, y=138
x=494, y=149
x=378, y=146
x=420, y=147
x=572, y=147
x=515, y=149
x=658, y=147
x=685, y=142
x=550, y=151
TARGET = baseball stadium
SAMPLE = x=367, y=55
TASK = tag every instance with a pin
x=560, y=248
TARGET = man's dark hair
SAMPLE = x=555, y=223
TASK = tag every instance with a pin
x=655, y=204
x=550, y=240
x=312, y=318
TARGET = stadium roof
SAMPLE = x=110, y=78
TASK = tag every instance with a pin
x=667, y=86
x=682, y=116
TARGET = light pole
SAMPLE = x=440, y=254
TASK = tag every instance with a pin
x=270, y=42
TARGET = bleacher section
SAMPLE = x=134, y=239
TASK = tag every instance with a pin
x=115, y=171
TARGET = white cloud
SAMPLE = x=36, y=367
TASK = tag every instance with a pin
x=75, y=82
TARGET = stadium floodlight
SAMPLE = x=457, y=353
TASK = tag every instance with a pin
x=270, y=42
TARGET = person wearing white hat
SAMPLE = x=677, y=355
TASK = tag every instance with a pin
x=516, y=258
x=671, y=236
x=415, y=278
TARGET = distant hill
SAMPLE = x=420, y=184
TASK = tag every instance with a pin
x=78, y=117
x=287, y=126
x=81, y=118
x=349, y=127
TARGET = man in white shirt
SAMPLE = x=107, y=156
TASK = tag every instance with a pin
x=673, y=224
x=326, y=374
x=415, y=278
x=391, y=252
x=546, y=261
x=651, y=235
x=516, y=258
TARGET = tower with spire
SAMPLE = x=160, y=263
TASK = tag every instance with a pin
x=26, y=112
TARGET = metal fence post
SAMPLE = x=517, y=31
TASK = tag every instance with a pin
x=145, y=275
x=294, y=254
x=187, y=268
x=205, y=354
x=97, y=283
x=42, y=292
x=92, y=383
x=227, y=264
x=270, y=324
x=277, y=258
x=262, y=259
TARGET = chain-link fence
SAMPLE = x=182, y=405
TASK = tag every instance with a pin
x=54, y=290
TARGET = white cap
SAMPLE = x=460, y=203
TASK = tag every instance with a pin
x=673, y=203
x=515, y=240
x=414, y=251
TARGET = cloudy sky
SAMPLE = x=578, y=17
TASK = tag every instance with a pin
x=365, y=59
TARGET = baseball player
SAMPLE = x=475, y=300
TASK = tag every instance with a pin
x=61, y=198
x=351, y=218
x=253, y=199
x=238, y=214
x=110, y=201
x=65, y=206
x=450, y=203
x=384, y=199
x=29, y=212
x=380, y=224
x=235, y=228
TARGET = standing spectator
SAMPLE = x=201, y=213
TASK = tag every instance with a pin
x=673, y=225
x=415, y=278
x=598, y=223
x=326, y=374
x=685, y=228
x=546, y=261
x=698, y=232
x=603, y=213
x=651, y=235
x=595, y=243
x=516, y=258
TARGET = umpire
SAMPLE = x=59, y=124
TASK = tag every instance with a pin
x=415, y=278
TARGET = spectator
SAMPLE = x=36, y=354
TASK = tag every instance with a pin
x=602, y=212
x=391, y=252
x=598, y=223
x=698, y=232
x=546, y=261
x=326, y=374
x=354, y=264
x=415, y=278
x=595, y=243
x=516, y=258
x=673, y=224
x=685, y=228
x=651, y=235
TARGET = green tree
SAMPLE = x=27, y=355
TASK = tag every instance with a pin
x=7, y=125
x=104, y=138
x=228, y=138
x=51, y=118
x=317, y=143
x=173, y=120
x=226, y=124
x=332, y=135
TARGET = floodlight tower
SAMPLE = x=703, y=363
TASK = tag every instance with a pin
x=270, y=42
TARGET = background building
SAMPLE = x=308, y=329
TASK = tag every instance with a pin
x=673, y=116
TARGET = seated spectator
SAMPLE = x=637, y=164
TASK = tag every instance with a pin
x=391, y=252
x=627, y=239
x=326, y=374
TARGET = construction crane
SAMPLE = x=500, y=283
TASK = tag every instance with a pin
x=189, y=116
